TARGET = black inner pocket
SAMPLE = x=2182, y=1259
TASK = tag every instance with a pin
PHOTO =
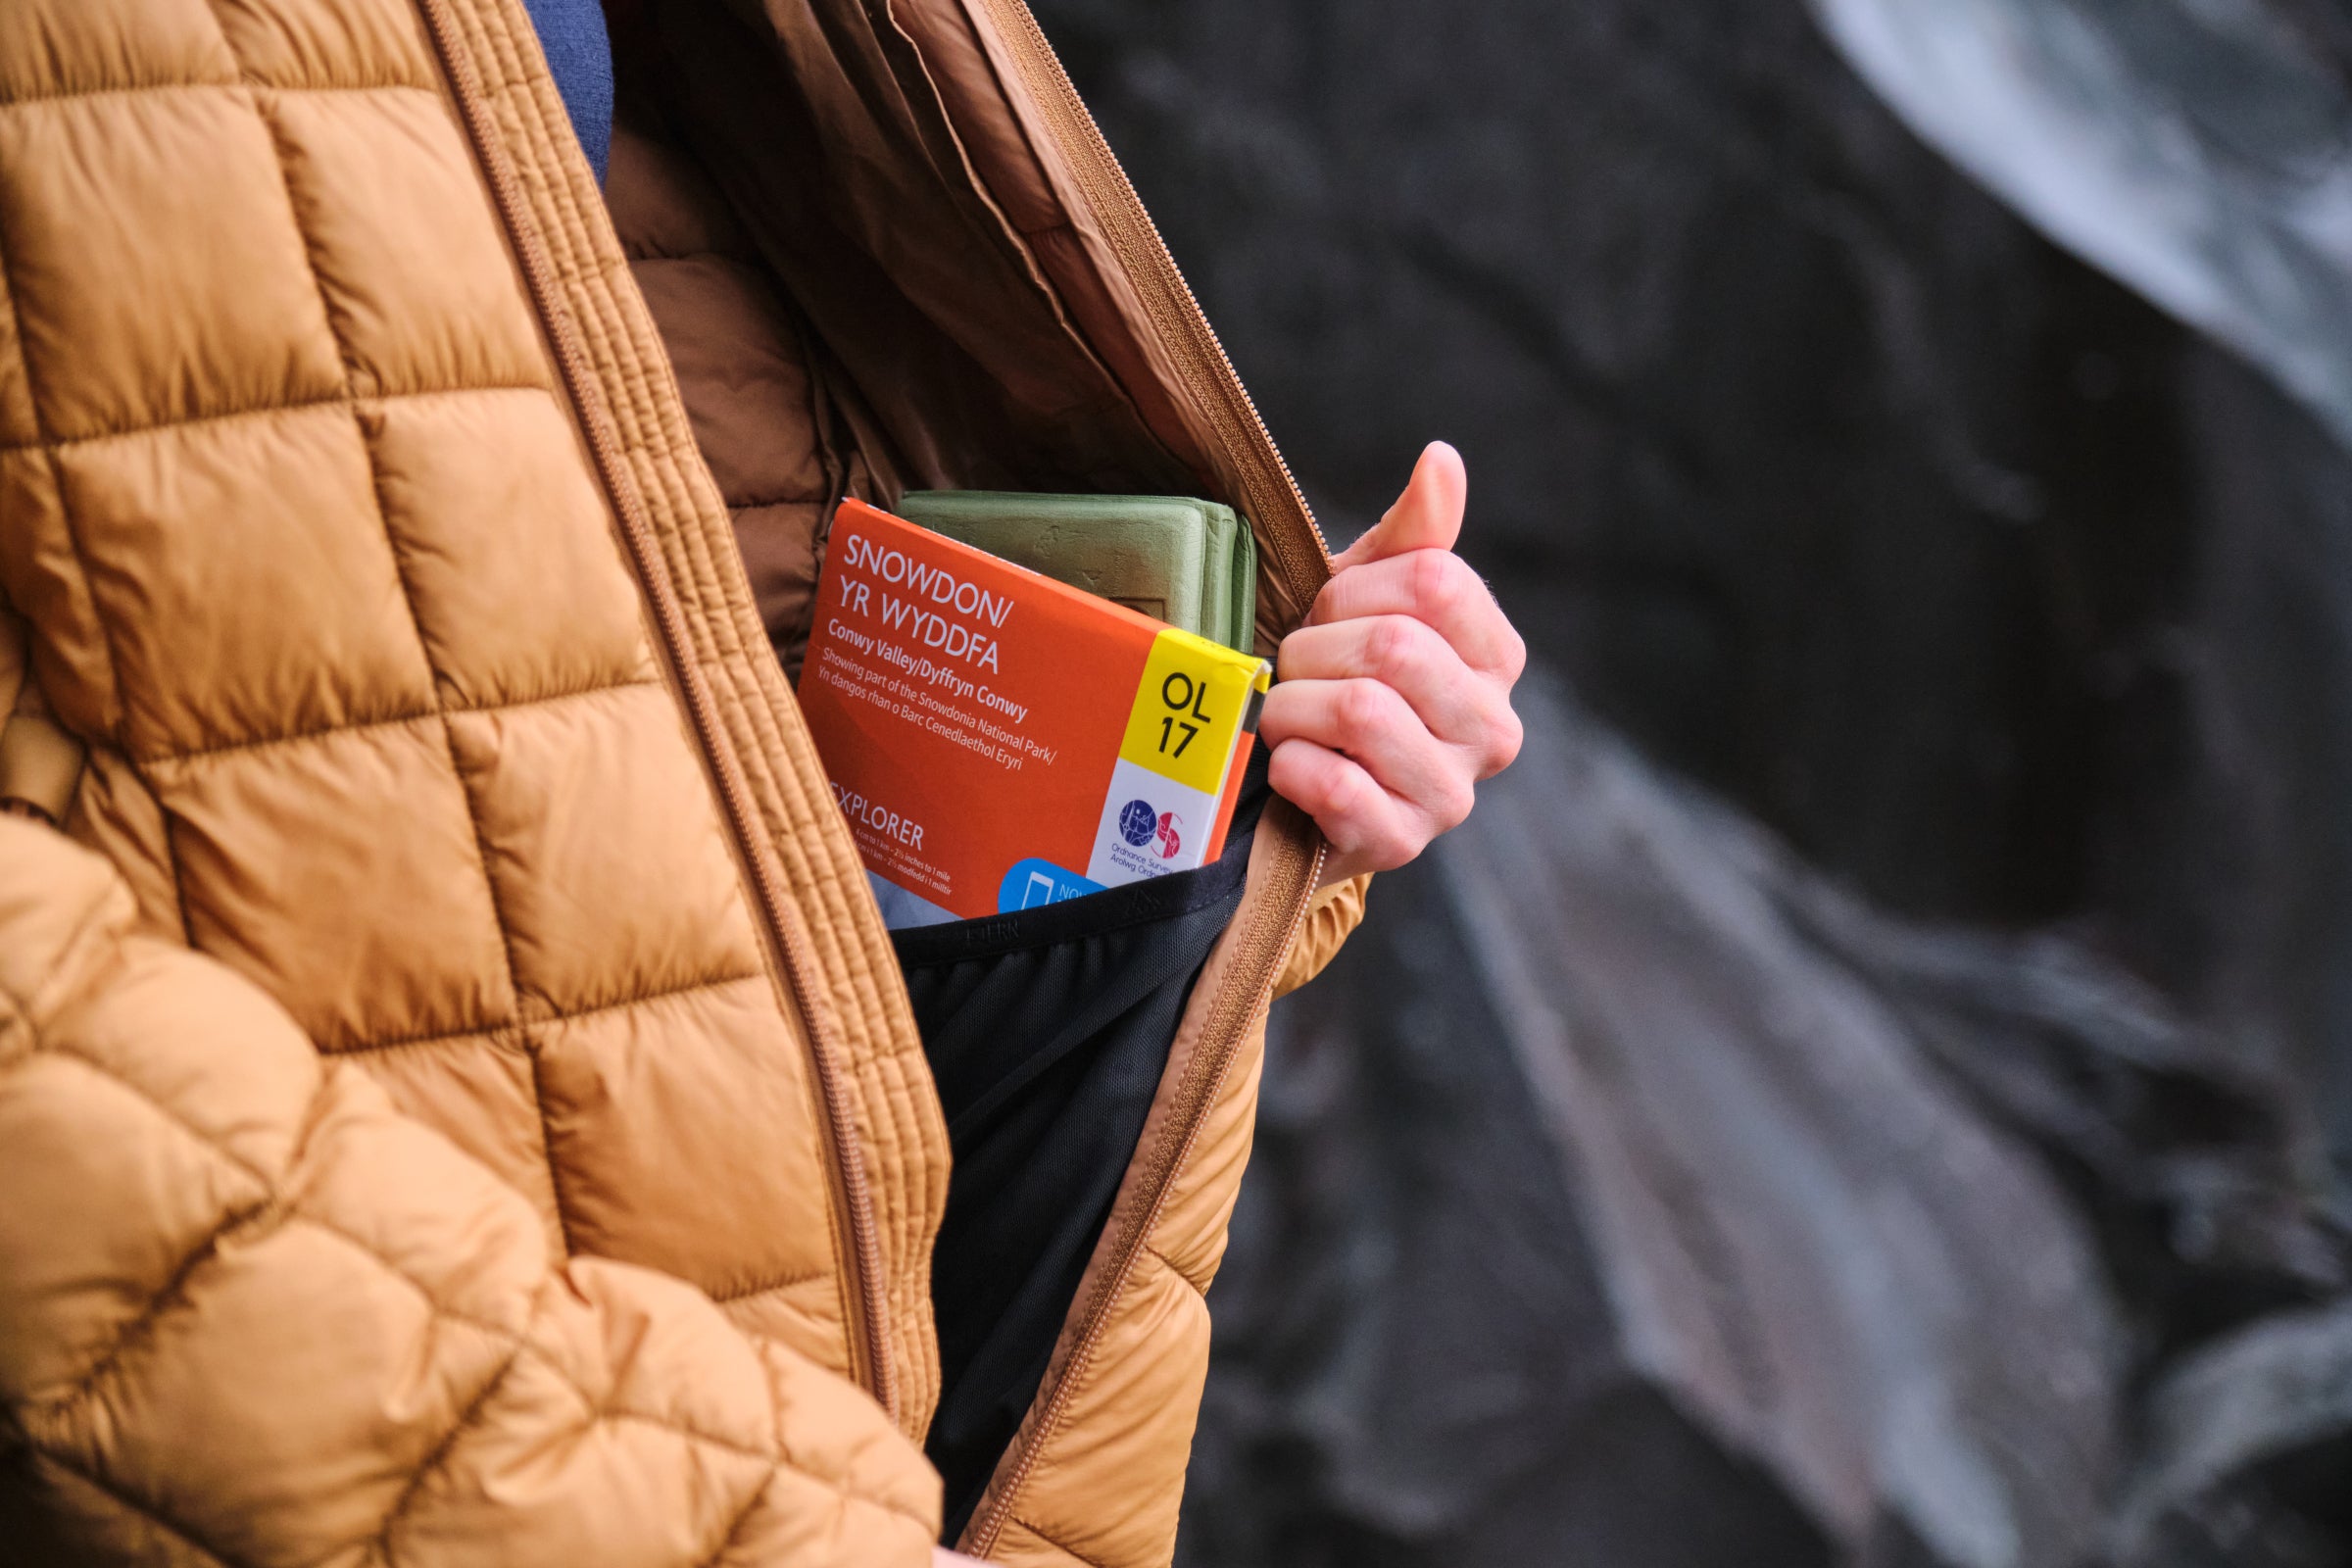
x=1048, y=1032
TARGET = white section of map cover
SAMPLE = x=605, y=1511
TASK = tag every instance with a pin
x=1150, y=826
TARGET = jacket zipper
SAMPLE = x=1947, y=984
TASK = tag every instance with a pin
x=1304, y=564
x=1232, y=1015
x=801, y=971
x=1166, y=297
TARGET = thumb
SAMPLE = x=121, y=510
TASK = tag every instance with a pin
x=1426, y=516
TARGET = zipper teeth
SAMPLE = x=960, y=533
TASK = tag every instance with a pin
x=1128, y=203
x=800, y=972
x=1115, y=200
x=981, y=1538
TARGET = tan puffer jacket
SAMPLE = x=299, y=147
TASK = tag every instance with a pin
x=456, y=1101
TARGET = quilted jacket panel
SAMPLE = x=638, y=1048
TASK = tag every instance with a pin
x=306, y=548
x=253, y=1315
x=854, y=984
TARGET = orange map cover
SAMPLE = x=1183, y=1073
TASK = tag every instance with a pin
x=998, y=740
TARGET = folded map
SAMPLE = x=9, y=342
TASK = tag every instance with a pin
x=998, y=740
x=1189, y=563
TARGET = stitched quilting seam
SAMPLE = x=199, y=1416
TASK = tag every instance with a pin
x=437, y=1459
x=663, y=477
x=770, y=1459
x=198, y=754
x=1067, y=1551
x=744, y=1293
x=169, y=1296
x=552, y=1022
x=894, y=1114
x=59, y=443
x=1182, y=1274
x=506, y=942
x=775, y=500
x=525, y=1345
x=119, y=701
x=56, y=484
x=126, y=1338
x=209, y=1141
x=175, y=865
x=279, y=1213
x=735, y=1525
x=534, y=119
x=675, y=486
x=546, y=1132
x=890, y=1120
x=384, y=517
x=774, y=1458
x=137, y=89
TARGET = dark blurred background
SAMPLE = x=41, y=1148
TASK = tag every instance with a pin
x=1873, y=1084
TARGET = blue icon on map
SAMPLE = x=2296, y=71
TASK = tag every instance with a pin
x=1138, y=823
x=1032, y=883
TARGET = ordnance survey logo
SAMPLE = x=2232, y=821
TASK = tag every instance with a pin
x=1140, y=824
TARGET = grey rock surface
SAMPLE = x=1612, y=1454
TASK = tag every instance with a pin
x=2201, y=150
x=1647, y=1233
x=2249, y=1452
x=1627, y=1192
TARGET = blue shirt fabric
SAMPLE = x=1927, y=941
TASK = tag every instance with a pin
x=579, y=54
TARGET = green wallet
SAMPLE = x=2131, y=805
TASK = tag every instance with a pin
x=1192, y=563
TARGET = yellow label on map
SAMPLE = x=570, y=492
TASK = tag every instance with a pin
x=1190, y=707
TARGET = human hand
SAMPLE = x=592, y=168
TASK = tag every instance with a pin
x=942, y=1557
x=1394, y=700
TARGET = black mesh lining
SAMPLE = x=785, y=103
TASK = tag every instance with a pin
x=1048, y=1032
